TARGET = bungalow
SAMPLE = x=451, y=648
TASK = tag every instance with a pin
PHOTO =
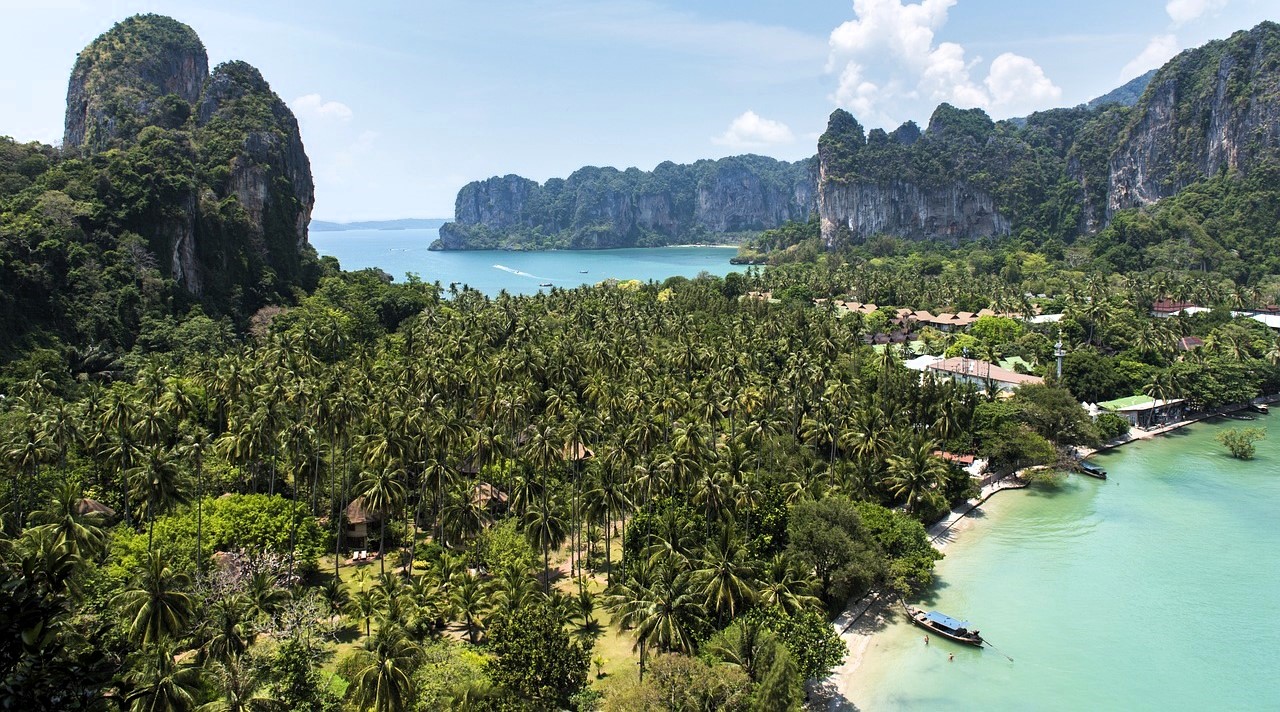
x=982, y=373
x=1145, y=411
x=1190, y=343
x=488, y=497
x=359, y=520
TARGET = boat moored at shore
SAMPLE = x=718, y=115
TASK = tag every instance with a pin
x=945, y=626
x=1092, y=470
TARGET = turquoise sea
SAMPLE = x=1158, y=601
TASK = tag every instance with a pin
x=400, y=252
x=1158, y=589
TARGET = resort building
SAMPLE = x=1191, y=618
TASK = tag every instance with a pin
x=982, y=374
x=1166, y=308
x=1145, y=411
x=1268, y=318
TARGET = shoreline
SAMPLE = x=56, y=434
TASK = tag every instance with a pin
x=861, y=620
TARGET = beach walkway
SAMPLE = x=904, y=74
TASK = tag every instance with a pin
x=944, y=531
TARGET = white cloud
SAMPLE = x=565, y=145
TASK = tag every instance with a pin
x=888, y=61
x=1015, y=79
x=1158, y=51
x=1184, y=11
x=313, y=106
x=750, y=130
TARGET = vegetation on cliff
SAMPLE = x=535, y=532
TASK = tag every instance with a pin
x=706, y=201
x=164, y=203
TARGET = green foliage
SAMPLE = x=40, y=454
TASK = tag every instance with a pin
x=903, y=543
x=534, y=660
x=297, y=684
x=807, y=636
x=1241, y=442
x=254, y=523
x=505, y=546
x=1056, y=415
x=678, y=683
x=1111, y=426
x=445, y=669
x=829, y=535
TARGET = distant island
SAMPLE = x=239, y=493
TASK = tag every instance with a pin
x=402, y=224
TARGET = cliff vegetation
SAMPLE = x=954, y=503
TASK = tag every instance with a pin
x=175, y=189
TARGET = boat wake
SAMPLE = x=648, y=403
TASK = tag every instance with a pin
x=517, y=272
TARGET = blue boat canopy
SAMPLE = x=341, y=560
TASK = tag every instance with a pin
x=946, y=621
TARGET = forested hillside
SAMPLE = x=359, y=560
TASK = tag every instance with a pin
x=174, y=189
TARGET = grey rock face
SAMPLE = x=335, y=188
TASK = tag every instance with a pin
x=602, y=207
x=861, y=210
x=120, y=76
x=1180, y=135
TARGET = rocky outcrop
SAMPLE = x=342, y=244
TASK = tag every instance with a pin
x=120, y=79
x=598, y=208
x=240, y=224
x=859, y=210
x=867, y=185
x=1209, y=110
x=270, y=155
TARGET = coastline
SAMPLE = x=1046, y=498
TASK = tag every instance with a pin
x=859, y=623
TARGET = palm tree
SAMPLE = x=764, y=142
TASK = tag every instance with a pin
x=469, y=598
x=582, y=617
x=383, y=492
x=228, y=629
x=547, y=530
x=241, y=688
x=156, y=486
x=725, y=576
x=163, y=685
x=81, y=534
x=195, y=445
x=916, y=474
x=364, y=606
x=663, y=608
x=385, y=683
x=785, y=584
x=155, y=605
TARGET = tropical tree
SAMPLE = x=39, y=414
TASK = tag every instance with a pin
x=156, y=605
x=385, y=680
x=162, y=684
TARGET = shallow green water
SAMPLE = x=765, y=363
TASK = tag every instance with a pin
x=490, y=271
x=1157, y=589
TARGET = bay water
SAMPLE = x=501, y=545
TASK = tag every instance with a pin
x=1158, y=589
x=399, y=252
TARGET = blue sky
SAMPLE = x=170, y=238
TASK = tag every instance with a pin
x=403, y=103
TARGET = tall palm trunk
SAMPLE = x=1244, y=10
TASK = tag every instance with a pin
x=199, y=516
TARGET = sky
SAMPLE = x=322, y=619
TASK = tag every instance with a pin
x=402, y=103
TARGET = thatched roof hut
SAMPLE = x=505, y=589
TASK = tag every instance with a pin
x=93, y=506
x=358, y=513
x=488, y=496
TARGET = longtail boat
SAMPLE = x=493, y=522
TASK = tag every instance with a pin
x=945, y=626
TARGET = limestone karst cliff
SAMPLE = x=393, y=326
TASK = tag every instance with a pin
x=231, y=217
x=604, y=207
x=1211, y=109
x=1054, y=175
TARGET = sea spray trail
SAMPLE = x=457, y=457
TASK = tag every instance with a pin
x=483, y=270
x=505, y=268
